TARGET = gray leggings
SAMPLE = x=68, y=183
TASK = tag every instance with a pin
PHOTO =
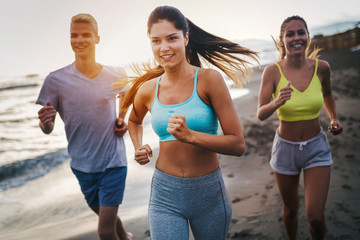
x=201, y=202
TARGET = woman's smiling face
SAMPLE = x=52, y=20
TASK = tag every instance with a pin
x=168, y=43
x=295, y=37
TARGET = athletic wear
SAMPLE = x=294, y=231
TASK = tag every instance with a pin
x=304, y=105
x=88, y=109
x=199, y=116
x=290, y=157
x=176, y=202
x=104, y=188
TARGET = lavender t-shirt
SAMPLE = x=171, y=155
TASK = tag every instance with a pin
x=88, y=109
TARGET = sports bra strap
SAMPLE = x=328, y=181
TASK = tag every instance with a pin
x=315, y=71
x=195, y=83
x=282, y=75
x=316, y=66
x=157, y=88
x=195, y=79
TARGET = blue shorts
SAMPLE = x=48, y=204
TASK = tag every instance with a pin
x=201, y=202
x=289, y=157
x=103, y=188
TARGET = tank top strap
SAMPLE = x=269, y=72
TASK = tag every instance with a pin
x=157, y=88
x=195, y=80
x=316, y=66
x=282, y=75
x=195, y=83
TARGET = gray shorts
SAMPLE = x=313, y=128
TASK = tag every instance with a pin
x=290, y=157
x=177, y=203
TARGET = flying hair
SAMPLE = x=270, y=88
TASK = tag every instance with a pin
x=202, y=47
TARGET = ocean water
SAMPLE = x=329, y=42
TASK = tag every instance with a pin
x=31, y=161
x=38, y=193
x=25, y=152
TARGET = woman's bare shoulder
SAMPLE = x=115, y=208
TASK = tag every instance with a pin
x=271, y=72
x=323, y=66
x=148, y=86
x=210, y=74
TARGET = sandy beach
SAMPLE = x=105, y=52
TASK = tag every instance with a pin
x=256, y=201
x=256, y=204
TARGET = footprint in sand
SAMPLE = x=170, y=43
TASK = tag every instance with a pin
x=237, y=199
x=269, y=186
x=230, y=175
x=347, y=187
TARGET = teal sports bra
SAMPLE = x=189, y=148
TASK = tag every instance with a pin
x=304, y=105
x=199, y=116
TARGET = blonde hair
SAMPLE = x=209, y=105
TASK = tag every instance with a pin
x=279, y=44
x=85, y=18
x=220, y=52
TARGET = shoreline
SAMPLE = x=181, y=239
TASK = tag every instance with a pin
x=33, y=213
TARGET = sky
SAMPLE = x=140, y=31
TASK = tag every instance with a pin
x=35, y=35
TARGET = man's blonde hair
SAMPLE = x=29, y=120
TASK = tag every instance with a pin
x=85, y=18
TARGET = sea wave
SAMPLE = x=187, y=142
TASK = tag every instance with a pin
x=18, y=173
x=22, y=156
x=19, y=86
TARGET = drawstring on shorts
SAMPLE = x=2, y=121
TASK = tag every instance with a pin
x=301, y=146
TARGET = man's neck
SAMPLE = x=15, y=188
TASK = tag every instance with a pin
x=89, y=67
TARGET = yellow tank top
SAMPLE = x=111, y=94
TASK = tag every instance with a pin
x=304, y=105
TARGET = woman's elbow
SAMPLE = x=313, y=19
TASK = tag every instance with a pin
x=240, y=149
x=235, y=146
x=261, y=117
x=259, y=114
x=262, y=114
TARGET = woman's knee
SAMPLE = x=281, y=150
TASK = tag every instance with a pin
x=290, y=211
x=315, y=219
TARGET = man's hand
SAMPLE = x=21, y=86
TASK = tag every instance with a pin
x=47, y=117
x=120, y=127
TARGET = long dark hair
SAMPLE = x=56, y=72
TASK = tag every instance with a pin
x=218, y=51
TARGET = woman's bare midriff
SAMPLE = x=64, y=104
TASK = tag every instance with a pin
x=186, y=160
x=299, y=130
